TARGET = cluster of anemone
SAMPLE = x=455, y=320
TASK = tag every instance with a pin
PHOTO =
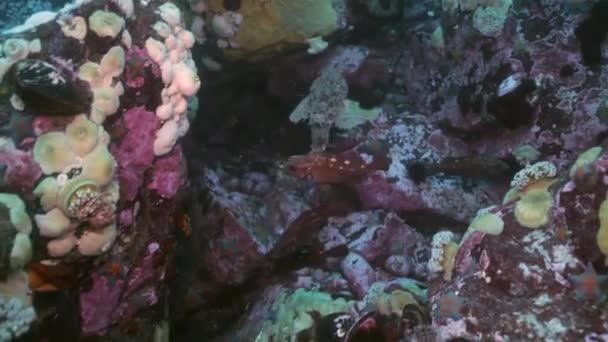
x=101, y=78
x=14, y=50
x=15, y=227
x=293, y=313
x=531, y=190
x=533, y=173
x=170, y=49
x=16, y=311
x=79, y=194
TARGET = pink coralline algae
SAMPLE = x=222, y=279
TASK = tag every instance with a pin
x=134, y=153
x=125, y=218
x=99, y=303
x=21, y=169
x=168, y=173
x=110, y=298
x=376, y=192
x=137, y=64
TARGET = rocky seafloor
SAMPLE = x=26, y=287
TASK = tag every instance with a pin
x=291, y=170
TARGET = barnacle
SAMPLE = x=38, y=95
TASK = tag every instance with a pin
x=79, y=198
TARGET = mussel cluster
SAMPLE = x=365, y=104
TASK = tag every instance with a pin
x=371, y=326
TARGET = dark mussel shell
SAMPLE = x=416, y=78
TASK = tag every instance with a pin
x=368, y=328
x=333, y=327
x=47, y=90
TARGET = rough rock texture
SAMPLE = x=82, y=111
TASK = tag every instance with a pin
x=474, y=95
x=225, y=247
x=529, y=272
x=121, y=292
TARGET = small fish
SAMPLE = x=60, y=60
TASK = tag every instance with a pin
x=587, y=285
x=335, y=168
x=450, y=306
x=48, y=278
x=470, y=166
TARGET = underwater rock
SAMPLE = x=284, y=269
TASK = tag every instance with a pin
x=530, y=271
x=592, y=32
x=252, y=229
x=20, y=171
x=45, y=89
x=16, y=125
x=133, y=152
x=168, y=174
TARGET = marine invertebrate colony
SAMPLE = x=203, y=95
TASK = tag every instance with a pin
x=349, y=176
x=65, y=70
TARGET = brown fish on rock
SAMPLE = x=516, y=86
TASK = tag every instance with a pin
x=336, y=168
